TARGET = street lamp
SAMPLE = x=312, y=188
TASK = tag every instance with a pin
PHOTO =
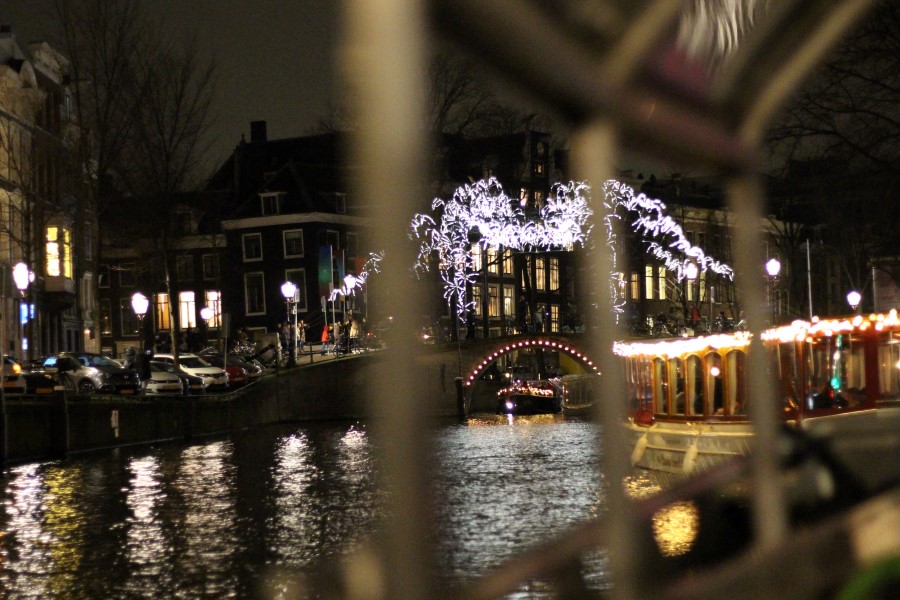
x=22, y=277
x=289, y=290
x=853, y=299
x=140, y=304
x=773, y=268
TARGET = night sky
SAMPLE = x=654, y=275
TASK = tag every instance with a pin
x=275, y=57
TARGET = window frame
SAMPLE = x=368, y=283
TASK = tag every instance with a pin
x=245, y=237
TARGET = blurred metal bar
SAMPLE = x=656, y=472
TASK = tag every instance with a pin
x=568, y=76
x=594, y=148
x=745, y=200
x=385, y=68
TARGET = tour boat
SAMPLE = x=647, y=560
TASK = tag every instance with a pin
x=688, y=397
x=578, y=393
x=528, y=398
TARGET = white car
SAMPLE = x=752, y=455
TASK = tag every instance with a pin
x=214, y=377
x=162, y=382
x=13, y=382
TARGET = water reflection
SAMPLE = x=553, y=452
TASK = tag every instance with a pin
x=253, y=515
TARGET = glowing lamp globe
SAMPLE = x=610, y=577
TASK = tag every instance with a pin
x=21, y=276
x=140, y=304
x=853, y=299
x=691, y=271
x=206, y=313
x=288, y=289
x=773, y=267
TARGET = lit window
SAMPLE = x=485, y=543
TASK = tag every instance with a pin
x=493, y=301
x=162, y=312
x=648, y=281
x=509, y=301
x=635, y=285
x=476, y=257
x=493, y=263
x=538, y=167
x=59, y=252
x=554, y=317
x=507, y=262
x=662, y=283
x=476, y=301
x=554, y=274
x=254, y=294
x=187, y=309
x=293, y=243
x=539, y=275
x=214, y=301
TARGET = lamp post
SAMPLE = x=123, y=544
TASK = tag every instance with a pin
x=22, y=277
x=288, y=290
x=773, y=268
x=853, y=299
x=140, y=304
x=690, y=272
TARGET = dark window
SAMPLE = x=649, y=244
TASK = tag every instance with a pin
x=293, y=243
x=254, y=293
x=184, y=268
x=126, y=275
x=210, y=266
x=252, y=245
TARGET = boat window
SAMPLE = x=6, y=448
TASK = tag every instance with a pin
x=646, y=380
x=787, y=366
x=660, y=385
x=694, y=385
x=819, y=365
x=714, y=372
x=677, y=373
x=889, y=365
x=735, y=383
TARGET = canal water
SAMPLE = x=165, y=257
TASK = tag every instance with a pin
x=256, y=514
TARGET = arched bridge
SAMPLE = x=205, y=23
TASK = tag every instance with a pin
x=476, y=356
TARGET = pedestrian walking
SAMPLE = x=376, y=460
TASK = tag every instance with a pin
x=142, y=366
x=301, y=335
x=325, y=336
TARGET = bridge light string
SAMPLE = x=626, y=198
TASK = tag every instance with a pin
x=482, y=213
x=487, y=359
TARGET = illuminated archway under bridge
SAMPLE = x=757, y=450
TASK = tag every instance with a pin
x=495, y=348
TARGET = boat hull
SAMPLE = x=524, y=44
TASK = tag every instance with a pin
x=682, y=448
x=525, y=404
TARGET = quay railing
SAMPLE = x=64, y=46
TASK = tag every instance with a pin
x=616, y=73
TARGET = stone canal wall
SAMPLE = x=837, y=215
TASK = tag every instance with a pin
x=330, y=390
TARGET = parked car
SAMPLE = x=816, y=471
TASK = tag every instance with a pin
x=40, y=383
x=237, y=375
x=190, y=384
x=87, y=373
x=161, y=381
x=216, y=378
x=13, y=382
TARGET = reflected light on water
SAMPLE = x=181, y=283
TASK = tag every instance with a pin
x=675, y=528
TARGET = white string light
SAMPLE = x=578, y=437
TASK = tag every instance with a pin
x=482, y=213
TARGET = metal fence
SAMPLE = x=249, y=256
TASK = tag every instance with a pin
x=616, y=73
